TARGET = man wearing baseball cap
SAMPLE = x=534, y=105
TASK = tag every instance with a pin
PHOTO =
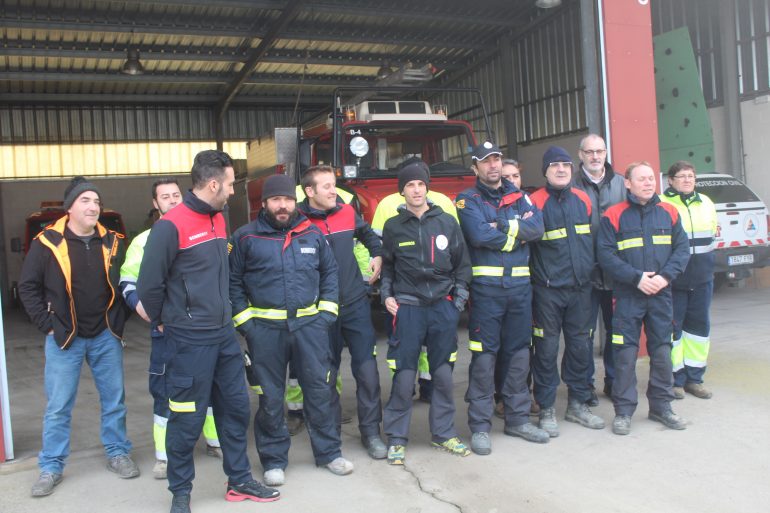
x=496, y=219
x=284, y=290
x=425, y=278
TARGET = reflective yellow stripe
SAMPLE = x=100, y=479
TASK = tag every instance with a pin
x=695, y=350
x=242, y=317
x=559, y=233
x=257, y=389
x=474, y=345
x=617, y=339
x=636, y=242
x=304, y=312
x=509, y=244
x=519, y=271
x=392, y=364
x=406, y=243
x=453, y=357
x=487, y=270
x=374, y=351
x=187, y=407
x=513, y=227
x=582, y=229
x=677, y=355
x=661, y=239
x=328, y=306
x=538, y=332
x=328, y=375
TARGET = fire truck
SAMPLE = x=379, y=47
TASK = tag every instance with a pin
x=366, y=138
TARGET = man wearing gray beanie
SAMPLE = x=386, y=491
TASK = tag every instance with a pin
x=59, y=276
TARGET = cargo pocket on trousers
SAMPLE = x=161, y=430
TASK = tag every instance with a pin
x=178, y=389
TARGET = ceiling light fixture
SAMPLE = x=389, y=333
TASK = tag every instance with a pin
x=132, y=66
x=384, y=71
x=547, y=4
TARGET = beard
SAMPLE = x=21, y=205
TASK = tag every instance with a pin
x=273, y=221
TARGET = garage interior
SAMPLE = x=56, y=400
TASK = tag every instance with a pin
x=127, y=91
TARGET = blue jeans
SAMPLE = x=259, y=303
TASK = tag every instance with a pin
x=104, y=354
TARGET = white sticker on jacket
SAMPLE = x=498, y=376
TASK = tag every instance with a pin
x=442, y=242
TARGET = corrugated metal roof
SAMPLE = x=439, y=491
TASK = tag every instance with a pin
x=192, y=50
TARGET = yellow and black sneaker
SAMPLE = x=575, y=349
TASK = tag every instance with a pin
x=453, y=445
x=396, y=454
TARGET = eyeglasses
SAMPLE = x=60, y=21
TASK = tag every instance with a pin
x=684, y=177
x=594, y=153
x=565, y=164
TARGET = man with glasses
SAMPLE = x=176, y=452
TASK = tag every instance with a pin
x=561, y=288
x=692, y=290
x=604, y=188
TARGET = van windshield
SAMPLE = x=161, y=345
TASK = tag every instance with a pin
x=725, y=190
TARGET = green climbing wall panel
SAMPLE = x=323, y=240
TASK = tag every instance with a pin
x=684, y=128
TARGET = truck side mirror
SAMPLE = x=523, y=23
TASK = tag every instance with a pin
x=16, y=245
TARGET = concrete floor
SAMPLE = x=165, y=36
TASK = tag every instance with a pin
x=720, y=463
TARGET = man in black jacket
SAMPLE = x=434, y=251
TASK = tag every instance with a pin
x=342, y=225
x=184, y=287
x=604, y=188
x=69, y=287
x=426, y=273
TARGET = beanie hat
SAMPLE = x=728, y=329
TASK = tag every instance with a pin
x=278, y=185
x=78, y=186
x=555, y=154
x=414, y=171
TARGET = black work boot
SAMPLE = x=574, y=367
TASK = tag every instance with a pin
x=180, y=504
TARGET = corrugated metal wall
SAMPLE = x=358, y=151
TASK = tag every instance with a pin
x=547, y=84
x=55, y=141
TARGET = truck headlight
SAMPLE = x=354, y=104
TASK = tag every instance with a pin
x=350, y=171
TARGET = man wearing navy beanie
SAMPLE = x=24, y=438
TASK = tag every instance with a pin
x=562, y=263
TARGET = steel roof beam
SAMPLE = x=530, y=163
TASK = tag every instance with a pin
x=76, y=50
x=177, y=99
x=198, y=78
x=255, y=55
x=86, y=22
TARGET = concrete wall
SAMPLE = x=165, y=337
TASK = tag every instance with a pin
x=755, y=121
x=755, y=117
x=129, y=196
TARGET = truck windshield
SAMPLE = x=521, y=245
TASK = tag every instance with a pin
x=724, y=190
x=443, y=146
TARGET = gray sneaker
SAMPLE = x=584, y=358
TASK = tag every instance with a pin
x=678, y=392
x=621, y=425
x=274, y=477
x=581, y=414
x=548, y=421
x=340, y=466
x=123, y=466
x=669, y=419
x=528, y=432
x=375, y=447
x=481, y=444
x=45, y=484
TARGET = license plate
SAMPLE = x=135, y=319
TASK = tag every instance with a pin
x=740, y=259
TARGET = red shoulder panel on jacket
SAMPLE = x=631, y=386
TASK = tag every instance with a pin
x=194, y=228
x=671, y=209
x=615, y=211
x=584, y=197
x=510, y=199
x=539, y=197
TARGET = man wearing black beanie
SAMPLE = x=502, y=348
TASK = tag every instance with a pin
x=76, y=304
x=562, y=263
x=425, y=278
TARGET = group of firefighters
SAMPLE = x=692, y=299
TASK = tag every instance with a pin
x=529, y=269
